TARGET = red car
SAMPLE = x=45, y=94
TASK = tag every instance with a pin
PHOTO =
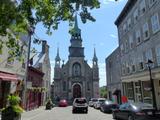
x=63, y=103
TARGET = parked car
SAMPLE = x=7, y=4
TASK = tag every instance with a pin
x=63, y=103
x=92, y=101
x=134, y=111
x=107, y=106
x=98, y=103
x=80, y=104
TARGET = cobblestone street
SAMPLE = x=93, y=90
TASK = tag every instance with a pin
x=58, y=113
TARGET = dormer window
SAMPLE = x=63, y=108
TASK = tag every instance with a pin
x=138, y=36
x=145, y=31
x=142, y=6
x=135, y=15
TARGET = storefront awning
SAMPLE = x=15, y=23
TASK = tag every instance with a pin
x=8, y=76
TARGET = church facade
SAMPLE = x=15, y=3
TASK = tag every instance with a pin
x=76, y=78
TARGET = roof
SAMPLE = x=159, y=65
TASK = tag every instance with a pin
x=37, y=58
x=125, y=11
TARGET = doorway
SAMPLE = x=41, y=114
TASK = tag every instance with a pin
x=77, y=91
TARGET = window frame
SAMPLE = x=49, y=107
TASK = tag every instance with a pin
x=155, y=22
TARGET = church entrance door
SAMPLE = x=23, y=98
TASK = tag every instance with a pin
x=76, y=91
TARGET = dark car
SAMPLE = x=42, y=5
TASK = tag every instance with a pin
x=80, y=104
x=134, y=111
x=107, y=106
x=63, y=103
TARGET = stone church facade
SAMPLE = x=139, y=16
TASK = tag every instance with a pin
x=76, y=78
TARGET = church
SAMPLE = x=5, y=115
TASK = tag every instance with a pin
x=76, y=78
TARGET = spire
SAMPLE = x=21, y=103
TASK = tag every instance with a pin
x=76, y=30
x=57, y=57
x=95, y=57
x=76, y=22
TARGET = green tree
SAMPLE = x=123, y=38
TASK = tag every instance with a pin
x=103, y=92
x=18, y=16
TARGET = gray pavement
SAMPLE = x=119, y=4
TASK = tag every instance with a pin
x=60, y=113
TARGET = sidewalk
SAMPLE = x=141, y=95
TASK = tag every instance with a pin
x=31, y=112
x=27, y=114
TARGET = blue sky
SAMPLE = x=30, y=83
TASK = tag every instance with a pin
x=102, y=33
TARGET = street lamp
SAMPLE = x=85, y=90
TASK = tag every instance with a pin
x=149, y=64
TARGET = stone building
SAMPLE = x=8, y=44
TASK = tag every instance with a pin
x=139, y=34
x=35, y=91
x=41, y=62
x=76, y=78
x=12, y=72
x=113, y=76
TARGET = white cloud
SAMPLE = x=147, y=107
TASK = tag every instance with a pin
x=102, y=72
x=113, y=36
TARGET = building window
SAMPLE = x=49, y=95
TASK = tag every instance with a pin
x=148, y=55
x=145, y=31
x=76, y=70
x=135, y=15
x=124, y=28
x=158, y=55
x=142, y=6
x=131, y=42
x=122, y=48
x=129, y=23
x=64, y=85
x=88, y=86
x=140, y=63
x=133, y=68
x=123, y=69
x=138, y=36
x=155, y=23
x=126, y=46
x=151, y=2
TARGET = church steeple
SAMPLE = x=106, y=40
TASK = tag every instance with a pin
x=76, y=49
x=76, y=30
x=57, y=59
x=95, y=59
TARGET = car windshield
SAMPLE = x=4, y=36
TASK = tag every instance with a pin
x=101, y=100
x=81, y=101
x=94, y=100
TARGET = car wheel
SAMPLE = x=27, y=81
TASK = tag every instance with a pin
x=102, y=109
x=114, y=116
x=130, y=117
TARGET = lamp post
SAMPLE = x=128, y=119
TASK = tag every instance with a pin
x=149, y=64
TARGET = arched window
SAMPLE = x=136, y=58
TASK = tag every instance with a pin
x=76, y=69
x=64, y=85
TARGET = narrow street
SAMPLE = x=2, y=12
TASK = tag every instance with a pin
x=60, y=113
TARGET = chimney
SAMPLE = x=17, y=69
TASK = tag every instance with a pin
x=44, y=43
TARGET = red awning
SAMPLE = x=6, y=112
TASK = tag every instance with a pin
x=8, y=76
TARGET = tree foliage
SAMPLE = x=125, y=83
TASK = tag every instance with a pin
x=19, y=15
x=103, y=92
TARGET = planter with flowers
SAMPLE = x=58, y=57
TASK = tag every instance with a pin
x=13, y=110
